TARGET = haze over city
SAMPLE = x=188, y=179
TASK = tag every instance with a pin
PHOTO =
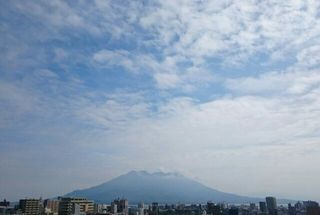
x=226, y=93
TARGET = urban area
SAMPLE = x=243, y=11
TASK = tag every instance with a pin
x=84, y=206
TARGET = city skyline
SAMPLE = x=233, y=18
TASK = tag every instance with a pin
x=226, y=93
x=121, y=206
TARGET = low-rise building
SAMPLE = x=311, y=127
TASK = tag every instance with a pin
x=30, y=206
x=75, y=205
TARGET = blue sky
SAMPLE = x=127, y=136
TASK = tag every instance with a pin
x=216, y=90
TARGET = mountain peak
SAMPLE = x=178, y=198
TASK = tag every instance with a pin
x=165, y=174
x=157, y=173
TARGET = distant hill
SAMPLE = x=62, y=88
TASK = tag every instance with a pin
x=159, y=187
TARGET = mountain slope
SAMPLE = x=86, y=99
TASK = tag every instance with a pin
x=157, y=187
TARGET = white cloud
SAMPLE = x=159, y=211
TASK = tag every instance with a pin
x=268, y=126
x=166, y=80
x=275, y=83
x=236, y=28
x=309, y=57
x=111, y=113
x=14, y=102
x=118, y=57
x=232, y=136
x=166, y=73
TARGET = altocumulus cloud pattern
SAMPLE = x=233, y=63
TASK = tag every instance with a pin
x=217, y=90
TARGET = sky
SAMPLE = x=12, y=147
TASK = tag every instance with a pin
x=224, y=92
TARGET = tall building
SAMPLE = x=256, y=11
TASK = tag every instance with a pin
x=141, y=208
x=271, y=205
x=120, y=206
x=263, y=207
x=154, y=208
x=141, y=205
x=124, y=206
x=114, y=207
x=298, y=205
x=30, y=206
x=73, y=205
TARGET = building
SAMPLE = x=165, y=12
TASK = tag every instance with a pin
x=210, y=206
x=271, y=205
x=263, y=207
x=5, y=208
x=74, y=205
x=313, y=210
x=120, y=206
x=141, y=208
x=312, y=207
x=217, y=210
x=51, y=206
x=124, y=206
x=97, y=208
x=30, y=206
x=291, y=209
x=233, y=211
x=310, y=204
x=154, y=208
x=5, y=203
x=252, y=206
x=114, y=207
